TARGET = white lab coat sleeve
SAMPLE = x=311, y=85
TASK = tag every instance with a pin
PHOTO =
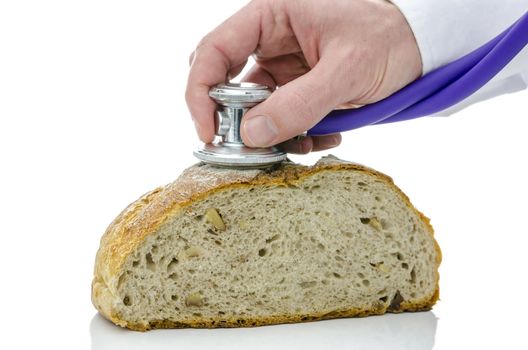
x=448, y=29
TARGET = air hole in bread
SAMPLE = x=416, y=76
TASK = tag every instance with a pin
x=396, y=302
x=151, y=265
x=413, y=276
x=307, y=284
x=127, y=301
x=398, y=256
x=365, y=221
x=172, y=265
x=366, y=283
x=262, y=252
x=272, y=238
x=209, y=230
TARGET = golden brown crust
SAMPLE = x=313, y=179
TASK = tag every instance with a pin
x=144, y=216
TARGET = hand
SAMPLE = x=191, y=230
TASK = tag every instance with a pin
x=322, y=55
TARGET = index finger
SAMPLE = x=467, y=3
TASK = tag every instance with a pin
x=227, y=46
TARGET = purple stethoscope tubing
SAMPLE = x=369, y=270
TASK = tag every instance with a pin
x=436, y=91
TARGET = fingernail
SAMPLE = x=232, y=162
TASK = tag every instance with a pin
x=330, y=141
x=260, y=131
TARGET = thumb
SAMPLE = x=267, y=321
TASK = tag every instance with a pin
x=292, y=109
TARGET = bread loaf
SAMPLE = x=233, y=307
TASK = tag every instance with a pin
x=234, y=248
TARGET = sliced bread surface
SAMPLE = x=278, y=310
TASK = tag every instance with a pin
x=233, y=248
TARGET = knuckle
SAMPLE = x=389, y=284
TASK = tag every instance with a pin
x=205, y=42
x=201, y=44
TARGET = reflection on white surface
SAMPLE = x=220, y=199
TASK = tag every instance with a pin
x=407, y=331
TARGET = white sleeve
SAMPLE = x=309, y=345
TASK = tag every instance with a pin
x=448, y=29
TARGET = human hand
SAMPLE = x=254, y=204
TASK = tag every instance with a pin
x=322, y=55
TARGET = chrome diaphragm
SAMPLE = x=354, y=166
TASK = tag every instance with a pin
x=228, y=150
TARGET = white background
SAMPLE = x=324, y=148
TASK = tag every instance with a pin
x=92, y=115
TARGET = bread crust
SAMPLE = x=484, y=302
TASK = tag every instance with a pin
x=144, y=216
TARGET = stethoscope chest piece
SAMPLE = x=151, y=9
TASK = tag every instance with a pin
x=228, y=150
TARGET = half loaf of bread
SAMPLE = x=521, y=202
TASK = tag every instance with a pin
x=233, y=248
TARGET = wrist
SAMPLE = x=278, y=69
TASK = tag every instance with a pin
x=404, y=61
x=404, y=43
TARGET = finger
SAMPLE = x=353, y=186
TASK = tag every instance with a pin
x=321, y=143
x=260, y=76
x=233, y=72
x=307, y=144
x=285, y=68
x=226, y=47
x=302, y=145
x=293, y=108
